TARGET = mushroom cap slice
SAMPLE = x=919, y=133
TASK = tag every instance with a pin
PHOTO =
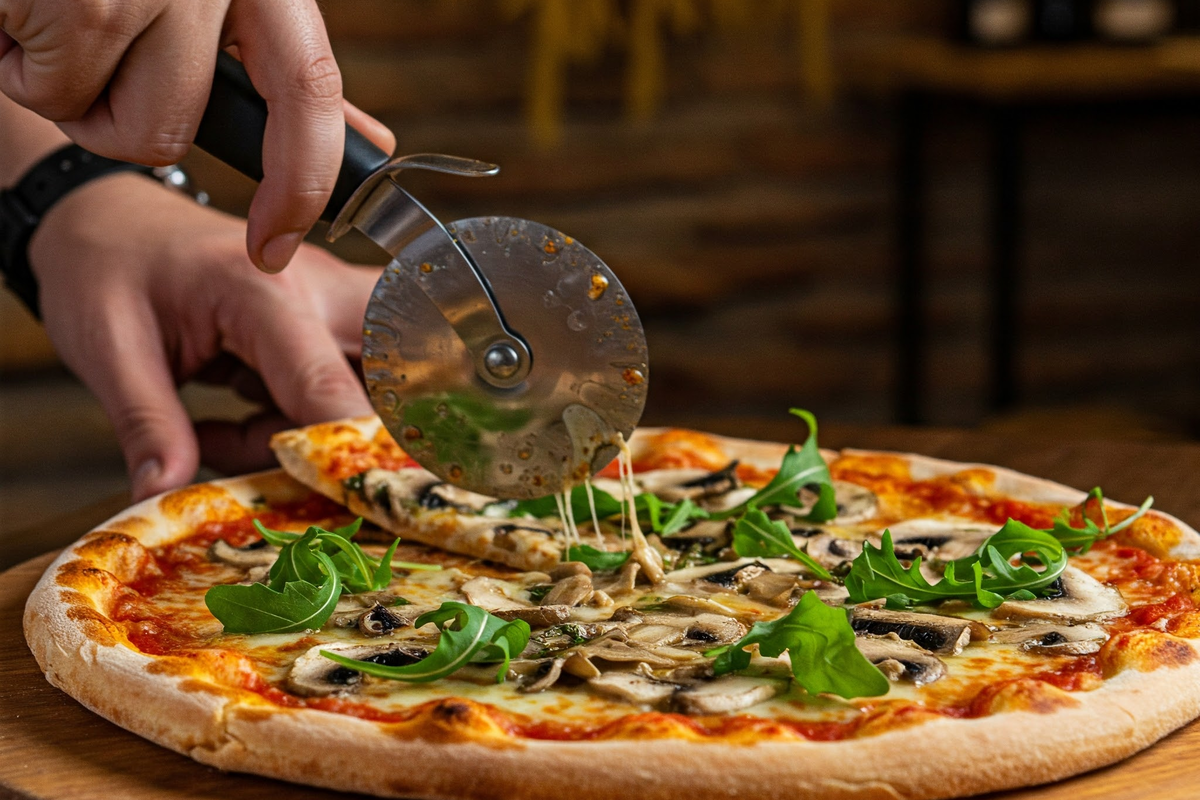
x=725, y=694
x=570, y=591
x=674, y=485
x=633, y=687
x=1055, y=639
x=944, y=539
x=899, y=659
x=536, y=675
x=536, y=616
x=313, y=675
x=491, y=594
x=1082, y=599
x=256, y=554
x=932, y=632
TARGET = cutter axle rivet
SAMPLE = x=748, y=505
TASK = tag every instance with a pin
x=502, y=360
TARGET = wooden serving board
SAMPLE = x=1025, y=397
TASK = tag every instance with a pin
x=52, y=748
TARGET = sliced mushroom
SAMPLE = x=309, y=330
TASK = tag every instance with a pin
x=1055, y=640
x=568, y=568
x=831, y=550
x=899, y=659
x=579, y=665
x=491, y=594
x=447, y=495
x=313, y=675
x=674, y=485
x=935, y=633
x=622, y=582
x=735, y=578
x=942, y=539
x=725, y=694
x=508, y=535
x=709, y=534
x=396, y=491
x=257, y=575
x=256, y=554
x=1082, y=598
x=536, y=616
x=621, y=650
x=686, y=602
x=710, y=630
x=633, y=687
x=379, y=620
x=536, y=676
x=350, y=609
x=854, y=503
x=570, y=591
x=775, y=589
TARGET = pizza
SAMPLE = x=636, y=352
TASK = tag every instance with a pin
x=709, y=617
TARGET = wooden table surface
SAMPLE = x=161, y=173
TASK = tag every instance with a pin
x=53, y=748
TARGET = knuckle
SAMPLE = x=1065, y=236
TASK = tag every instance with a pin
x=324, y=379
x=110, y=16
x=317, y=77
x=139, y=426
x=161, y=147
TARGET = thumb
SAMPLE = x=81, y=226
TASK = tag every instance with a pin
x=133, y=382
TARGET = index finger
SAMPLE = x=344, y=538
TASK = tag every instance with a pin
x=286, y=52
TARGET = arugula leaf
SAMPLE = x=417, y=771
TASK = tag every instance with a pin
x=755, y=534
x=680, y=515
x=298, y=605
x=312, y=568
x=652, y=507
x=606, y=505
x=1079, y=540
x=800, y=468
x=990, y=577
x=596, y=560
x=469, y=635
x=820, y=644
x=297, y=562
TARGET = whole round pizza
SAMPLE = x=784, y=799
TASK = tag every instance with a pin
x=708, y=617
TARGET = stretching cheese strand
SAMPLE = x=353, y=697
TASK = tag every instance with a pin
x=643, y=553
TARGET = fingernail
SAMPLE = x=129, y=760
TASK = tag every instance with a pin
x=144, y=478
x=279, y=251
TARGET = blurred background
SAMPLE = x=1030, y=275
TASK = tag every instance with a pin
x=955, y=213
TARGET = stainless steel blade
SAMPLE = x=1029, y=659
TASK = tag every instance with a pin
x=542, y=431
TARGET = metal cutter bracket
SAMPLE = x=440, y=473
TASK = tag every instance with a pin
x=396, y=221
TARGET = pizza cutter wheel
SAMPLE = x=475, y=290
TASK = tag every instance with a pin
x=501, y=354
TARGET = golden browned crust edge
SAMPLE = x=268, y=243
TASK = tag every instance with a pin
x=942, y=758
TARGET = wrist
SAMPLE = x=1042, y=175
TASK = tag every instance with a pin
x=25, y=139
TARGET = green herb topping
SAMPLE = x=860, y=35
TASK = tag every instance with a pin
x=800, y=468
x=596, y=560
x=469, y=635
x=312, y=571
x=820, y=644
x=756, y=535
x=987, y=578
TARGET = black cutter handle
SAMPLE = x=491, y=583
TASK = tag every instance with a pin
x=235, y=120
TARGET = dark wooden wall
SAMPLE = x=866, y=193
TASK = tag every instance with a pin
x=753, y=226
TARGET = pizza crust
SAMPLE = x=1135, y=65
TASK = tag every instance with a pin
x=448, y=751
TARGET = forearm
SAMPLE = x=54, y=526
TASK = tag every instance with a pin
x=25, y=139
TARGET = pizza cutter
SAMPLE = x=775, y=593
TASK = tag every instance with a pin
x=502, y=355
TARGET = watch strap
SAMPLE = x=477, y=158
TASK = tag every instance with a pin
x=23, y=206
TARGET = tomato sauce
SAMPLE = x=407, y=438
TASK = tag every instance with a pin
x=179, y=565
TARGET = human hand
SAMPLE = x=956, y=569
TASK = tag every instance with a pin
x=129, y=79
x=142, y=289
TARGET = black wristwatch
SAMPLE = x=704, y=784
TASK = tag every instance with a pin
x=23, y=206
